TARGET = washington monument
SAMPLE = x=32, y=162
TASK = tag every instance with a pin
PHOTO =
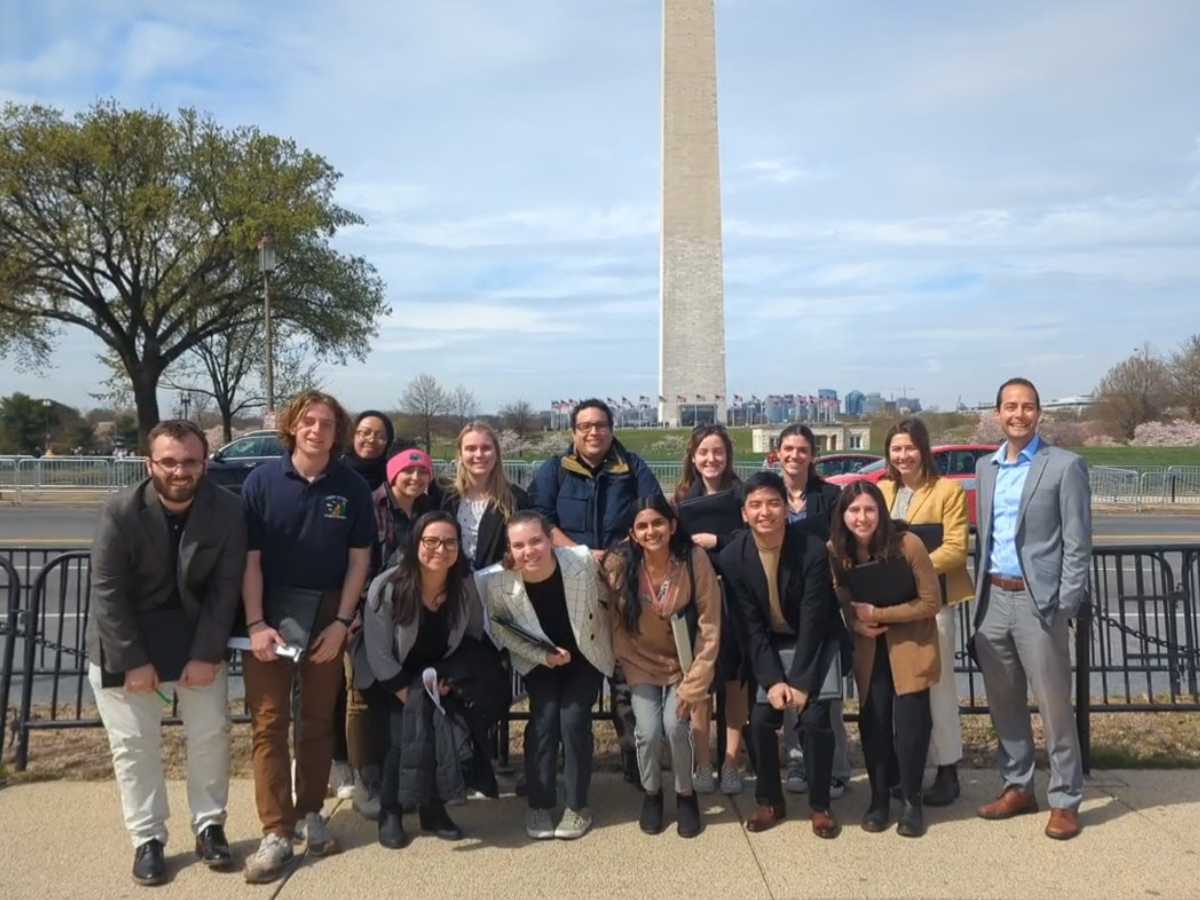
x=692, y=327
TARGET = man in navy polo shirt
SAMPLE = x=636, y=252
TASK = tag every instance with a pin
x=310, y=525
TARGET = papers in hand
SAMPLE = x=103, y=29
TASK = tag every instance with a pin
x=287, y=650
x=430, y=679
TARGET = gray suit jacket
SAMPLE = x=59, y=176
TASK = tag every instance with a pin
x=1054, y=530
x=132, y=573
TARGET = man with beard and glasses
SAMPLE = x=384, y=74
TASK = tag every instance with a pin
x=167, y=563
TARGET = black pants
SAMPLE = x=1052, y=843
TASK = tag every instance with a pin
x=623, y=721
x=895, y=731
x=389, y=729
x=560, y=713
x=763, y=747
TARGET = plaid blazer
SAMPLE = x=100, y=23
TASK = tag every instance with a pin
x=504, y=595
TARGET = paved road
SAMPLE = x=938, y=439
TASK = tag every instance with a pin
x=62, y=527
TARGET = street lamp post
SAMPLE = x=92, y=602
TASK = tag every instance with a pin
x=185, y=401
x=266, y=264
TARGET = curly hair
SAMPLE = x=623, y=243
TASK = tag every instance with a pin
x=293, y=414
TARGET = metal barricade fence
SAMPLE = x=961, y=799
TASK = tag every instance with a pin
x=1113, y=485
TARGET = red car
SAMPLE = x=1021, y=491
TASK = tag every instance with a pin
x=952, y=460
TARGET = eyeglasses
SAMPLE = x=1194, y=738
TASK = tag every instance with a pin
x=432, y=543
x=377, y=437
x=585, y=427
x=184, y=465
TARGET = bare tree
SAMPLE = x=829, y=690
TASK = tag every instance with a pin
x=463, y=406
x=1134, y=391
x=1185, y=377
x=519, y=417
x=425, y=400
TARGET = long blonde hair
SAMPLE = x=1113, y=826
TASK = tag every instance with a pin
x=497, y=482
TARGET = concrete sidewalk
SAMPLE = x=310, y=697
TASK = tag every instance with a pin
x=1141, y=838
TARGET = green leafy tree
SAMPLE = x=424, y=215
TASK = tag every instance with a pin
x=142, y=229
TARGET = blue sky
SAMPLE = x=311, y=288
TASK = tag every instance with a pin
x=924, y=197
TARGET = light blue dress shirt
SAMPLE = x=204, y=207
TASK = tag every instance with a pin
x=1006, y=503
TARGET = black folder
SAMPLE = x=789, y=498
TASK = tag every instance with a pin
x=882, y=582
x=931, y=535
x=292, y=612
x=711, y=514
x=541, y=641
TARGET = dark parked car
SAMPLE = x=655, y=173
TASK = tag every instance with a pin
x=228, y=466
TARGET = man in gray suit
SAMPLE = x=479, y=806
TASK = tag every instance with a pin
x=1035, y=539
x=167, y=563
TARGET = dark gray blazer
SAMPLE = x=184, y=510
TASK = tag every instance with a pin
x=132, y=573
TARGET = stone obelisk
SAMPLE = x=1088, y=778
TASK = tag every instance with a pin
x=692, y=327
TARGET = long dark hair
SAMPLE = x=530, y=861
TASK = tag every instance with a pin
x=628, y=557
x=919, y=435
x=885, y=542
x=406, y=580
x=690, y=476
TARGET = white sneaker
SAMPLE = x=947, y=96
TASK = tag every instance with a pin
x=274, y=852
x=341, y=781
x=796, y=781
x=574, y=824
x=731, y=780
x=704, y=781
x=317, y=839
x=538, y=824
x=837, y=787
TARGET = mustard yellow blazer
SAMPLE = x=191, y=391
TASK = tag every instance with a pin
x=941, y=501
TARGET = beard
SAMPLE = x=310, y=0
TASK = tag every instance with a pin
x=176, y=489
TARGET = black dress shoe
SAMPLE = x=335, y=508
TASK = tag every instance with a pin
x=212, y=848
x=912, y=821
x=651, y=819
x=877, y=815
x=391, y=830
x=945, y=789
x=434, y=818
x=149, y=866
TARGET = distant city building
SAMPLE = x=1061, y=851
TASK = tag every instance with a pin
x=908, y=405
x=854, y=403
x=873, y=403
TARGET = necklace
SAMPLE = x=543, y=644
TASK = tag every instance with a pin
x=660, y=598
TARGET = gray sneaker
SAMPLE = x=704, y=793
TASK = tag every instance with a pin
x=317, y=839
x=366, y=793
x=341, y=781
x=704, y=781
x=731, y=780
x=574, y=824
x=539, y=825
x=796, y=781
x=267, y=864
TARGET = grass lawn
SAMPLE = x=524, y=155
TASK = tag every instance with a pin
x=642, y=441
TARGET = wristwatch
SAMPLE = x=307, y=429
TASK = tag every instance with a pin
x=345, y=620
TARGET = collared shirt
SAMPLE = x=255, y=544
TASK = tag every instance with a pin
x=1006, y=503
x=305, y=529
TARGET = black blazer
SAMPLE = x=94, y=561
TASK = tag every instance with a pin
x=493, y=536
x=805, y=597
x=133, y=575
x=820, y=506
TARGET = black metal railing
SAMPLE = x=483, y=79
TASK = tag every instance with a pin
x=1136, y=645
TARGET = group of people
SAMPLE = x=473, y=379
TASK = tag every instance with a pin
x=383, y=610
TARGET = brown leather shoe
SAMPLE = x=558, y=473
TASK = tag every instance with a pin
x=1063, y=824
x=1012, y=802
x=824, y=825
x=766, y=816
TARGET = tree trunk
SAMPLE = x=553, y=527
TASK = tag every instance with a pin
x=145, y=397
x=226, y=408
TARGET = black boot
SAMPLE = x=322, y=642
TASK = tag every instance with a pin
x=435, y=818
x=651, y=820
x=630, y=770
x=945, y=789
x=687, y=813
x=879, y=813
x=391, y=830
x=912, y=819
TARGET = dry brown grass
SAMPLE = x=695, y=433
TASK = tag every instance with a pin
x=1119, y=741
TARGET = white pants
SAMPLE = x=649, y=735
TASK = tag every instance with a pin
x=134, y=726
x=945, y=743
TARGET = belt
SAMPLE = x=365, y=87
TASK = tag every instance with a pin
x=1009, y=584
